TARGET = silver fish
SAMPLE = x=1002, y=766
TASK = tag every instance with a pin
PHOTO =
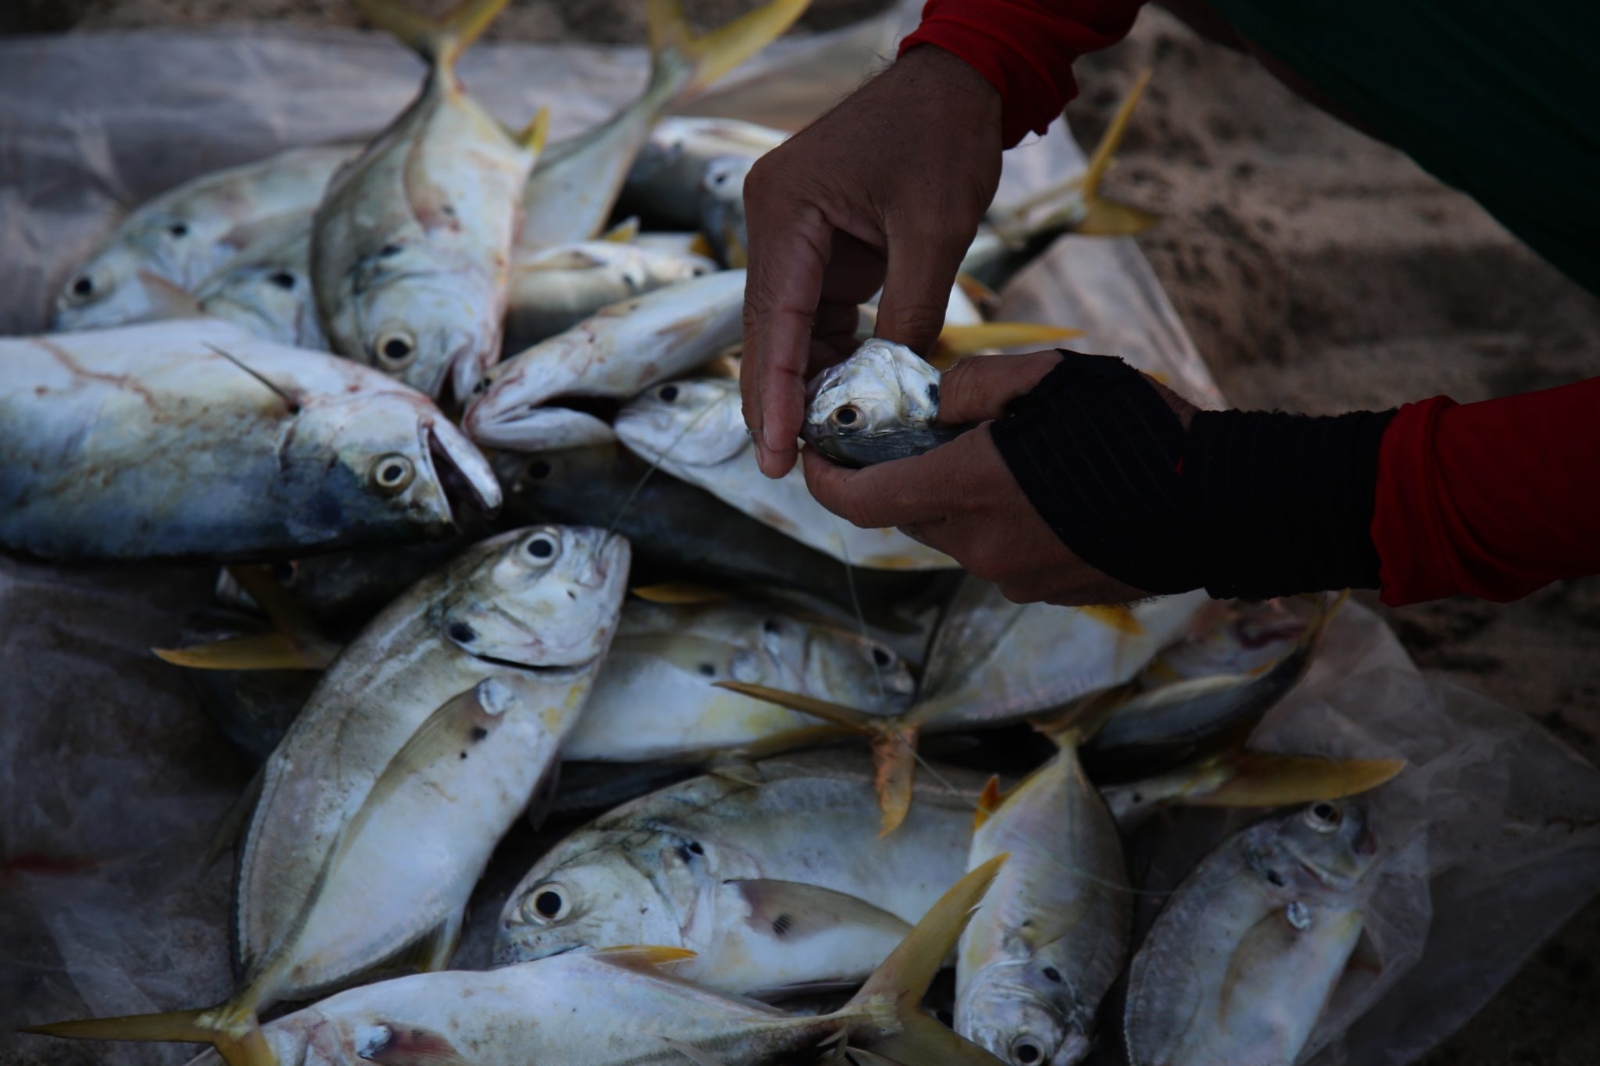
x=613, y=1007
x=1244, y=956
x=268, y=290
x=571, y=193
x=876, y=406
x=654, y=699
x=722, y=217
x=773, y=872
x=556, y=288
x=694, y=429
x=1225, y=680
x=374, y=823
x=188, y=233
x=664, y=183
x=1052, y=934
x=194, y=438
x=615, y=353
x=411, y=246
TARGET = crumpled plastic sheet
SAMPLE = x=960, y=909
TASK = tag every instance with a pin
x=112, y=781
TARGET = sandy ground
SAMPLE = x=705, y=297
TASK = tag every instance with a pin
x=1317, y=271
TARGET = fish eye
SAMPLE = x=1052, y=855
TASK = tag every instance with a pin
x=540, y=546
x=395, y=349
x=1025, y=1051
x=82, y=287
x=880, y=656
x=846, y=415
x=179, y=229
x=538, y=469
x=282, y=279
x=668, y=393
x=1323, y=817
x=547, y=904
x=392, y=473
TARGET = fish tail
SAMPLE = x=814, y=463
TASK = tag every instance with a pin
x=232, y=1029
x=442, y=40
x=956, y=342
x=711, y=55
x=886, y=1015
x=1106, y=218
x=1271, y=779
x=894, y=743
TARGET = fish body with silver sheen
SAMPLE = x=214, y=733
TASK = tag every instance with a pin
x=194, y=438
x=664, y=182
x=1242, y=960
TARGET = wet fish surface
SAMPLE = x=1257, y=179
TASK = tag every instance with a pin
x=775, y=874
x=664, y=182
x=1244, y=956
x=195, y=439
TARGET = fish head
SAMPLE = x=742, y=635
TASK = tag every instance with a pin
x=723, y=180
x=658, y=267
x=129, y=279
x=508, y=408
x=883, y=387
x=432, y=325
x=579, y=898
x=836, y=661
x=545, y=597
x=721, y=202
x=1332, y=841
x=381, y=457
x=1011, y=1011
x=695, y=421
x=270, y=301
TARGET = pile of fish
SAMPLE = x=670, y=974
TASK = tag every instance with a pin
x=457, y=409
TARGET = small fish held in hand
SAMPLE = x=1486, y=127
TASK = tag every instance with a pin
x=878, y=405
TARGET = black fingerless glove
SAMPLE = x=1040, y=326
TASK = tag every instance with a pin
x=1250, y=504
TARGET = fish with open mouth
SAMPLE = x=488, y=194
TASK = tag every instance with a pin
x=571, y=193
x=664, y=182
x=772, y=872
x=878, y=405
x=615, y=353
x=1243, y=958
x=693, y=428
x=555, y=288
x=620, y=1006
x=186, y=234
x=416, y=752
x=193, y=438
x=411, y=246
x=1052, y=936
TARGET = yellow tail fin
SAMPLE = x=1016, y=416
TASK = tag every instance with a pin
x=713, y=54
x=261, y=651
x=958, y=341
x=1268, y=779
x=440, y=41
x=886, y=1015
x=240, y=1043
x=1100, y=158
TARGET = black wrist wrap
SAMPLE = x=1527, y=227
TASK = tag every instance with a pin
x=1250, y=504
x=1283, y=503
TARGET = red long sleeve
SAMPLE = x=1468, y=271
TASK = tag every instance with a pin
x=1025, y=48
x=1491, y=499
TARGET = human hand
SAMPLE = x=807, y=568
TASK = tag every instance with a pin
x=962, y=499
x=887, y=189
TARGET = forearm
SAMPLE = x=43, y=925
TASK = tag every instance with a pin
x=1025, y=48
x=1492, y=499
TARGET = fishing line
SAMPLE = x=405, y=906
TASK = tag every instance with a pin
x=855, y=605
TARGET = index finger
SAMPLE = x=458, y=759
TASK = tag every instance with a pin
x=789, y=247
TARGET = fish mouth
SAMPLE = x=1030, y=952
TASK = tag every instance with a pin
x=464, y=475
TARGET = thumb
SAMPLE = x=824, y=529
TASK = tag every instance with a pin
x=979, y=387
x=921, y=269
